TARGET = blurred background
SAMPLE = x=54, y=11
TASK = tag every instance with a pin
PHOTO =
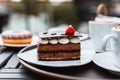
x=41, y=15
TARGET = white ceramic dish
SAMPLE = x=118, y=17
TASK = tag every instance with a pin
x=30, y=56
x=84, y=37
x=49, y=74
x=34, y=41
x=105, y=60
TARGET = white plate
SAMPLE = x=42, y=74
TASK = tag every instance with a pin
x=84, y=37
x=31, y=57
x=48, y=74
x=105, y=60
x=34, y=41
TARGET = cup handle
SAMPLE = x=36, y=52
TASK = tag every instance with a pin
x=105, y=40
x=100, y=7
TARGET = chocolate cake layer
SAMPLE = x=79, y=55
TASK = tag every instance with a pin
x=58, y=47
x=59, y=56
x=61, y=51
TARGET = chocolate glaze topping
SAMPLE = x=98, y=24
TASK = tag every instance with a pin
x=57, y=34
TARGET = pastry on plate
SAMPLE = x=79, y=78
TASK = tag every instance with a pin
x=59, y=45
x=16, y=37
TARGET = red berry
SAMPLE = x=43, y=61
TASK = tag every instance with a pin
x=70, y=30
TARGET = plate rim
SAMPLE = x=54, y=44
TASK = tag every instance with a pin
x=97, y=63
x=17, y=45
x=48, y=73
x=85, y=38
x=35, y=45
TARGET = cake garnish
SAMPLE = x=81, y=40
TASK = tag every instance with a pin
x=63, y=40
x=45, y=33
x=53, y=41
x=53, y=34
x=70, y=30
x=74, y=40
x=43, y=41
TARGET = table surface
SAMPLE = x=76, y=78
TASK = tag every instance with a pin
x=10, y=68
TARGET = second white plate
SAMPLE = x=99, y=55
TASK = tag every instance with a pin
x=31, y=57
x=106, y=61
x=34, y=41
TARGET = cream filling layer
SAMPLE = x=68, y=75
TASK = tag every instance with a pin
x=43, y=41
x=53, y=41
x=75, y=40
x=64, y=40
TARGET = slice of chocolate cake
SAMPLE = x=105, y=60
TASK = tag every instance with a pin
x=58, y=46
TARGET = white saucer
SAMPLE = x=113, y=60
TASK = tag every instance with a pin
x=34, y=41
x=105, y=60
x=31, y=57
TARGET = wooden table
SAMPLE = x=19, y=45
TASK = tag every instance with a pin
x=11, y=69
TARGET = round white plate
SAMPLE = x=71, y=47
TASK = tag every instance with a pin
x=105, y=60
x=45, y=73
x=84, y=37
x=31, y=57
x=34, y=41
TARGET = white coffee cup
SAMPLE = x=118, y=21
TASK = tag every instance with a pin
x=97, y=30
x=115, y=44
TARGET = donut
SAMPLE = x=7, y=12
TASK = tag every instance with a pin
x=16, y=37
